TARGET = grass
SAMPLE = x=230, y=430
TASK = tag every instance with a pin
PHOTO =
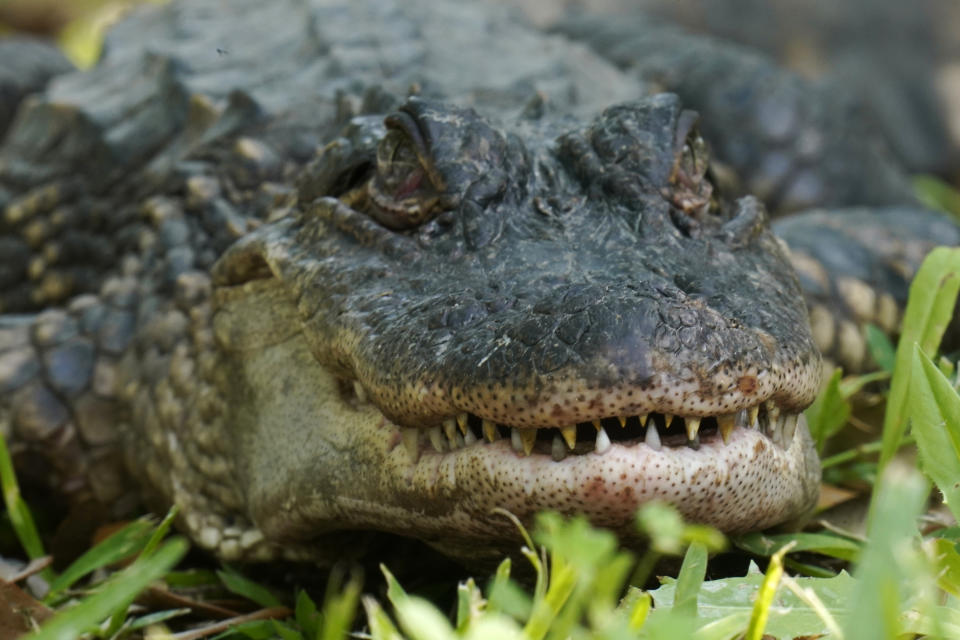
x=900, y=579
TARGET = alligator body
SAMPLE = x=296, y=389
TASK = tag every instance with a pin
x=311, y=268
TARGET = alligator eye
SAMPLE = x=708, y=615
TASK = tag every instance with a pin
x=405, y=191
x=691, y=186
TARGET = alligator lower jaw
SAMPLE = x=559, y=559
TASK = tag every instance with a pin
x=754, y=479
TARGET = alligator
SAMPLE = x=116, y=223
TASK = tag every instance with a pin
x=308, y=268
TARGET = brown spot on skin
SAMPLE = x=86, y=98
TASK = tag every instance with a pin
x=747, y=384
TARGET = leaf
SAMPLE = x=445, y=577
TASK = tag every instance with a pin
x=470, y=604
x=946, y=563
x=829, y=412
x=381, y=626
x=826, y=543
x=339, y=606
x=421, y=620
x=690, y=579
x=933, y=294
x=937, y=194
x=636, y=604
x=881, y=349
x=935, y=415
x=306, y=614
x=789, y=616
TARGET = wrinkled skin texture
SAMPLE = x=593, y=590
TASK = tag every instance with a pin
x=298, y=302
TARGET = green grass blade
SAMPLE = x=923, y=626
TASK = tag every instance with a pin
x=114, y=595
x=243, y=586
x=886, y=572
x=381, y=626
x=306, y=614
x=339, y=606
x=828, y=544
x=156, y=618
x=768, y=589
x=880, y=347
x=122, y=544
x=929, y=311
x=690, y=579
x=19, y=513
x=636, y=604
x=161, y=530
x=829, y=412
x=935, y=415
x=937, y=194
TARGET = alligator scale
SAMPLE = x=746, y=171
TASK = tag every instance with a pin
x=308, y=268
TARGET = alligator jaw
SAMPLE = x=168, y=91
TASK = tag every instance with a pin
x=345, y=466
x=760, y=475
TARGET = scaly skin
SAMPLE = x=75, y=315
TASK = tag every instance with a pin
x=298, y=303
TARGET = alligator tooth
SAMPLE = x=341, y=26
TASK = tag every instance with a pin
x=742, y=420
x=753, y=413
x=596, y=424
x=623, y=421
x=774, y=430
x=458, y=442
x=603, y=441
x=726, y=424
x=411, y=442
x=569, y=436
x=437, y=440
x=469, y=438
x=693, y=428
x=667, y=420
x=490, y=431
x=652, y=438
x=450, y=429
x=359, y=391
x=643, y=419
x=773, y=411
x=515, y=440
x=558, y=450
x=462, y=423
x=528, y=437
x=789, y=429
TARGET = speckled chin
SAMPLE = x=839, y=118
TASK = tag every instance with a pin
x=753, y=476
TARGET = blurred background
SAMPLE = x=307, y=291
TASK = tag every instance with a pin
x=76, y=25
x=901, y=58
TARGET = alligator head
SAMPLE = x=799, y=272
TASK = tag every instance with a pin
x=457, y=317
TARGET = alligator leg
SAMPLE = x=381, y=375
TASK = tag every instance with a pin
x=855, y=267
x=59, y=408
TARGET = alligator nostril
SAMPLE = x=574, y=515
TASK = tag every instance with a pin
x=749, y=219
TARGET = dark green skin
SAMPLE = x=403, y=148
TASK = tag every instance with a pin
x=259, y=285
